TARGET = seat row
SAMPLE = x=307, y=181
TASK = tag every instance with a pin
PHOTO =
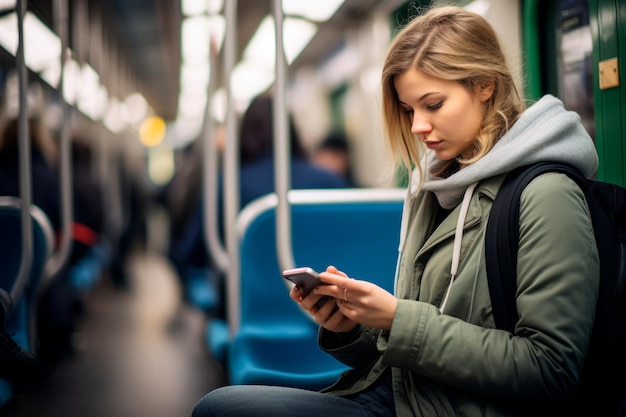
x=22, y=285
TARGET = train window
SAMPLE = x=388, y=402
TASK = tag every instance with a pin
x=574, y=60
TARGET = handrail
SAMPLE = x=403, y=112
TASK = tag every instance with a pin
x=216, y=250
x=231, y=168
x=61, y=255
x=282, y=149
x=24, y=166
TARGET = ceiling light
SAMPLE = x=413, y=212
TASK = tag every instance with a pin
x=93, y=97
x=195, y=39
x=318, y=10
x=184, y=131
x=262, y=47
x=192, y=103
x=137, y=107
x=71, y=81
x=42, y=47
x=193, y=7
x=479, y=7
x=195, y=76
x=298, y=34
x=8, y=33
x=248, y=80
x=7, y=4
x=114, y=119
x=217, y=29
x=52, y=75
x=218, y=105
x=94, y=104
x=196, y=7
x=215, y=6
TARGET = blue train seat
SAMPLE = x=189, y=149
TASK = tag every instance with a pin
x=202, y=288
x=356, y=230
x=19, y=323
x=11, y=243
x=85, y=274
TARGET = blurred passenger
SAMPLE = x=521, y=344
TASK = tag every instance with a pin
x=60, y=305
x=88, y=225
x=44, y=177
x=257, y=157
x=333, y=154
x=133, y=206
x=180, y=197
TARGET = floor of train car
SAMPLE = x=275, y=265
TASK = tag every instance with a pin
x=130, y=360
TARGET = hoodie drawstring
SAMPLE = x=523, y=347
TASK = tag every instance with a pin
x=458, y=237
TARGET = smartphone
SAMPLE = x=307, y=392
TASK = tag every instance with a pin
x=307, y=279
x=304, y=277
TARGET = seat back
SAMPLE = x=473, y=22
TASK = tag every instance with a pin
x=356, y=230
x=11, y=243
x=20, y=322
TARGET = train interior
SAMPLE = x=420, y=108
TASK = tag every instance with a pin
x=131, y=107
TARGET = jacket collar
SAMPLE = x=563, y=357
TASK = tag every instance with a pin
x=487, y=188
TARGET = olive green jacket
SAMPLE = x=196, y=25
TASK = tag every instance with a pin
x=456, y=363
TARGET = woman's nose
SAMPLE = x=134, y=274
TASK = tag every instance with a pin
x=420, y=126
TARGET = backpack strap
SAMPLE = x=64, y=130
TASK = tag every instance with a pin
x=502, y=238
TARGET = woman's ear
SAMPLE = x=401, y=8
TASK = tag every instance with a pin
x=485, y=90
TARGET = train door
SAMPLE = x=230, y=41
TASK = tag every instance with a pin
x=574, y=53
x=608, y=19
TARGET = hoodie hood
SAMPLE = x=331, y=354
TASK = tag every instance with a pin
x=544, y=132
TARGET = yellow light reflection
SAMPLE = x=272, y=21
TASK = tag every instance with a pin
x=152, y=131
x=160, y=165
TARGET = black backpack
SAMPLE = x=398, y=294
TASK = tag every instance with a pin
x=602, y=390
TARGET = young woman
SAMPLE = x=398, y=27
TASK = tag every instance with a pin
x=454, y=117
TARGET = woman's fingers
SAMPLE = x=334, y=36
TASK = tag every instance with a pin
x=333, y=270
x=337, y=284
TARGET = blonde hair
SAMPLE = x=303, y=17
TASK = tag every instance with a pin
x=453, y=44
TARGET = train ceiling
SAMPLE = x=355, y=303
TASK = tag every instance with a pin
x=143, y=38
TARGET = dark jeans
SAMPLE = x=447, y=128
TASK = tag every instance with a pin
x=268, y=401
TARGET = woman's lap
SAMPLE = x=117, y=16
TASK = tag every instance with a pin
x=269, y=401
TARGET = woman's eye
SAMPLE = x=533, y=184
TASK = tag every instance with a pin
x=408, y=110
x=435, y=106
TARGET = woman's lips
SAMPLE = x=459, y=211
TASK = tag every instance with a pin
x=432, y=144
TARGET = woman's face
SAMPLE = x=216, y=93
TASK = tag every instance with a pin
x=444, y=114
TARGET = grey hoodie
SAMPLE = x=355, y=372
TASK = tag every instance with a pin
x=544, y=132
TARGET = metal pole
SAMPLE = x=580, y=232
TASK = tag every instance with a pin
x=59, y=259
x=231, y=178
x=282, y=149
x=24, y=164
x=210, y=165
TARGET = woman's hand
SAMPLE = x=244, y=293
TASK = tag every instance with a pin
x=359, y=301
x=351, y=302
x=324, y=309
